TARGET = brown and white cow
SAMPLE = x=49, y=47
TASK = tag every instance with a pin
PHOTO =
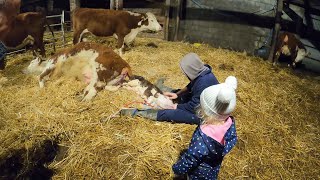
x=93, y=63
x=289, y=45
x=124, y=25
x=27, y=28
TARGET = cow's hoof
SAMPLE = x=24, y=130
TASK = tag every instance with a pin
x=41, y=84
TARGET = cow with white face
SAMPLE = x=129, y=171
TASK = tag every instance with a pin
x=124, y=25
x=96, y=65
x=289, y=45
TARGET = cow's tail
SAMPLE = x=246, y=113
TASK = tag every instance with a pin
x=54, y=40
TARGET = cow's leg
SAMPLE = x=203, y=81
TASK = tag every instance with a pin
x=82, y=34
x=76, y=36
x=42, y=50
x=293, y=57
x=38, y=44
x=45, y=73
x=120, y=44
x=89, y=92
x=276, y=57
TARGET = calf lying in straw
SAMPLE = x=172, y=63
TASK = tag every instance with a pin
x=153, y=97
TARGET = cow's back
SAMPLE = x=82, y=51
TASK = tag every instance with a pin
x=103, y=22
x=106, y=57
x=98, y=21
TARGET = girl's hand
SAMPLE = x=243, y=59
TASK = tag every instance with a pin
x=171, y=95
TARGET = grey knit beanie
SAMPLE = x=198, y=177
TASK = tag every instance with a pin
x=219, y=100
x=192, y=66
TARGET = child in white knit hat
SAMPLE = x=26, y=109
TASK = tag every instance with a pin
x=216, y=135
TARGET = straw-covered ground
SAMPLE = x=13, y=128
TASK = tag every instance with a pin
x=277, y=120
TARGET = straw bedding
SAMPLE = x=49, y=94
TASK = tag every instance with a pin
x=277, y=119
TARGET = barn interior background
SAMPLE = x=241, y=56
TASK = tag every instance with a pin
x=277, y=114
x=240, y=25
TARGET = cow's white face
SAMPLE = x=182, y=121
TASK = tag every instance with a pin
x=35, y=67
x=153, y=24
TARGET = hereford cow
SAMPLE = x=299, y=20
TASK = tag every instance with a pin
x=27, y=28
x=8, y=11
x=92, y=63
x=289, y=45
x=124, y=25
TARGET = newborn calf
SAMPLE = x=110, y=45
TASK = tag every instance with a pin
x=152, y=95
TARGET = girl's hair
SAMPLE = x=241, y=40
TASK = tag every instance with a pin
x=204, y=118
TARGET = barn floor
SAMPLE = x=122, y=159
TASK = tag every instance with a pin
x=49, y=132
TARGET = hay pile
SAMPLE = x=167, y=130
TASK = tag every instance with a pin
x=277, y=118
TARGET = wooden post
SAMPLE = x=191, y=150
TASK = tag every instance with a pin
x=50, y=5
x=176, y=31
x=74, y=4
x=276, y=29
x=167, y=18
x=307, y=15
x=63, y=29
x=116, y=4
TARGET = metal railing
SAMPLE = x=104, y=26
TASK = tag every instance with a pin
x=62, y=24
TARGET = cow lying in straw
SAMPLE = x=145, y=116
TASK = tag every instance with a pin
x=99, y=67
x=92, y=63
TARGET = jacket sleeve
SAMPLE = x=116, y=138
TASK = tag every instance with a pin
x=194, y=101
x=190, y=159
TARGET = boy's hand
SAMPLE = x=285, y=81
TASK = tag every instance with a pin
x=171, y=95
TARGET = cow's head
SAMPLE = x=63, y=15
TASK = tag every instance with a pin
x=149, y=22
x=36, y=66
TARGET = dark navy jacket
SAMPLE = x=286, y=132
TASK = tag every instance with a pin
x=204, y=156
x=3, y=50
x=195, y=88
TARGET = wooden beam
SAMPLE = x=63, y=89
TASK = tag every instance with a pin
x=176, y=31
x=307, y=14
x=116, y=4
x=295, y=18
x=167, y=17
x=74, y=4
x=311, y=10
x=276, y=29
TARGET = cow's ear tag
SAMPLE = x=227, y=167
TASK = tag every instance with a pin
x=286, y=38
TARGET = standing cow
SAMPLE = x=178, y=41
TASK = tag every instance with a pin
x=124, y=25
x=92, y=63
x=8, y=12
x=289, y=45
x=27, y=28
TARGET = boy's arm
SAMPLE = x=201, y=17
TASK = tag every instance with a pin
x=194, y=101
